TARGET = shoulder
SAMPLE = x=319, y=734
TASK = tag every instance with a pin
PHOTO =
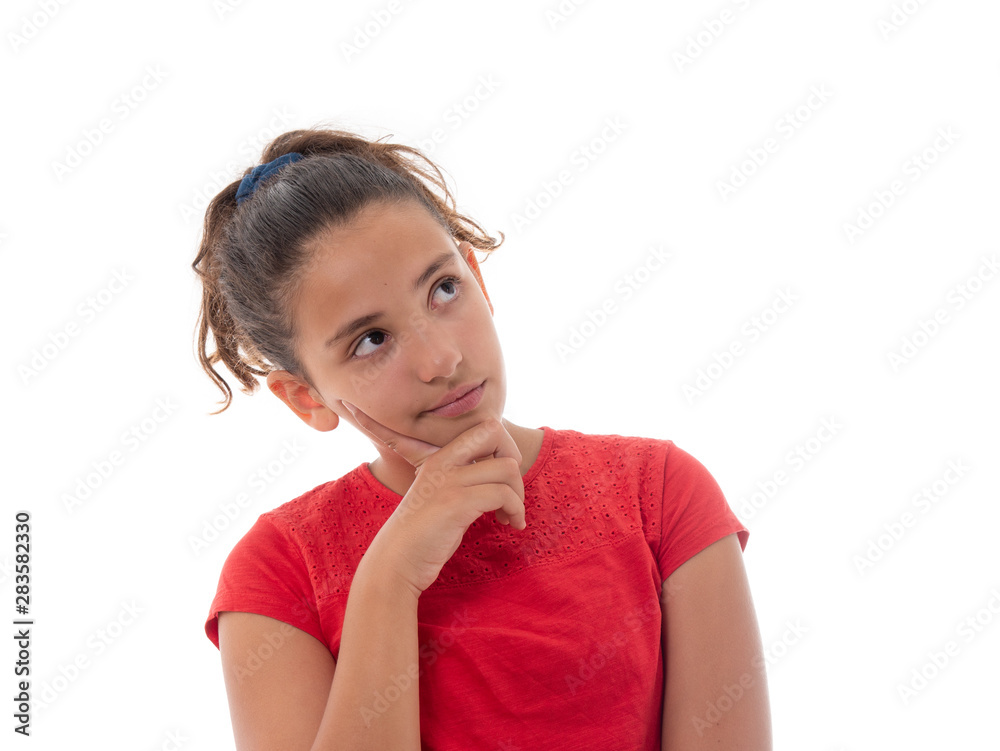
x=294, y=535
x=610, y=449
x=680, y=504
x=273, y=570
x=622, y=475
x=661, y=460
x=627, y=465
x=313, y=504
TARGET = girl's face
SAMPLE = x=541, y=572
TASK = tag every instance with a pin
x=390, y=317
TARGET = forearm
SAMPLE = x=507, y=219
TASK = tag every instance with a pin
x=374, y=699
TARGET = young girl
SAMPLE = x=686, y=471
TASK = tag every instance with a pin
x=479, y=585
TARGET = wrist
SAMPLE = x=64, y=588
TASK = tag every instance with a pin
x=381, y=569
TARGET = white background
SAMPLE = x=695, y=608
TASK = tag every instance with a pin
x=844, y=631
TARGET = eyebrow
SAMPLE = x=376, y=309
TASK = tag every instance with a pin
x=359, y=323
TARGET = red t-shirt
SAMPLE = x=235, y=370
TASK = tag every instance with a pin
x=548, y=637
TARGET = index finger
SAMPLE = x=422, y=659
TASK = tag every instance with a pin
x=412, y=449
x=487, y=439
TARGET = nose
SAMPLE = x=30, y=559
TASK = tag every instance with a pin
x=434, y=352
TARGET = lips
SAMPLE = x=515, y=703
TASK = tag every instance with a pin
x=458, y=398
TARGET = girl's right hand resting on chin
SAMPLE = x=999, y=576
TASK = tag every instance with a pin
x=477, y=472
x=303, y=698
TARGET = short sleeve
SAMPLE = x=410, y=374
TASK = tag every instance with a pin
x=695, y=511
x=265, y=573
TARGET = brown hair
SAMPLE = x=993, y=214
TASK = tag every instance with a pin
x=252, y=255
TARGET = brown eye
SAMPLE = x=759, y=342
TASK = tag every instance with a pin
x=376, y=338
x=450, y=286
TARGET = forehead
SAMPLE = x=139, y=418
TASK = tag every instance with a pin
x=378, y=233
x=367, y=265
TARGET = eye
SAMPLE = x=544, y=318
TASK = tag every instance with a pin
x=451, y=282
x=376, y=335
x=372, y=341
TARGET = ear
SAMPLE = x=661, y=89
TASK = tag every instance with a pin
x=466, y=249
x=302, y=399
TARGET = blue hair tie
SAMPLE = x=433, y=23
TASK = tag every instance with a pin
x=262, y=172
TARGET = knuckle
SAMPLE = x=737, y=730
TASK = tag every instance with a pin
x=513, y=500
x=488, y=428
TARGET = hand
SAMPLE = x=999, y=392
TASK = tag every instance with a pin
x=477, y=472
x=415, y=451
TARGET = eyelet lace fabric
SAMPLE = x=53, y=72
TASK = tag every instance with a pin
x=524, y=632
x=570, y=508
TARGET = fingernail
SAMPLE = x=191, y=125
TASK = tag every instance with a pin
x=350, y=407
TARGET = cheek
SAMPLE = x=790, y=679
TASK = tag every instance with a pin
x=484, y=338
x=377, y=388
